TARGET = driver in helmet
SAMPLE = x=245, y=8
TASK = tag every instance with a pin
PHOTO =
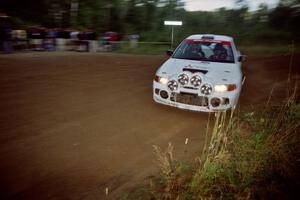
x=195, y=49
x=220, y=53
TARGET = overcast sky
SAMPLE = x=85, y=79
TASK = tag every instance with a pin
x=208, y=5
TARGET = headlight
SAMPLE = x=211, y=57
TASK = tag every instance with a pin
x=173, y=85
x=224, y=88
x=161, y=80
x=183, y=79
x=206, y=89
x=196, y=81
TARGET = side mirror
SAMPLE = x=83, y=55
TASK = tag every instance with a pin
x=169, y=52
x=241, y=58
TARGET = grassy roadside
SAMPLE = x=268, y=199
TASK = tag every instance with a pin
x=252, y=156
x=246, y=156
x=145, y=48
x=251, y=50
x=268, y=50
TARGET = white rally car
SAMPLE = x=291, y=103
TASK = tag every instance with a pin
x=203, y=74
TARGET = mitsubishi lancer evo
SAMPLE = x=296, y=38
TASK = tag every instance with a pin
x=203, y=74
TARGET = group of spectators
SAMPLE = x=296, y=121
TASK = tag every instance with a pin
x=47, y=39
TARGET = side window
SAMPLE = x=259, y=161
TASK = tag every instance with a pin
x=229, y=52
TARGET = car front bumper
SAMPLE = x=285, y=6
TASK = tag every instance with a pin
x=228, y=100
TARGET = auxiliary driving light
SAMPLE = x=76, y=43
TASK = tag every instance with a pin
x=196, y=81
x=206, y=89
x=183, y=79
x=173, y=85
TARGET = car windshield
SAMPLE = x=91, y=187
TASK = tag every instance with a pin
x=205, y=50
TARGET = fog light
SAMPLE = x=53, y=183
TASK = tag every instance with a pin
x=215, y=102
x=164, y=94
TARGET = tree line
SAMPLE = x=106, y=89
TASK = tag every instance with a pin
x=145, y=17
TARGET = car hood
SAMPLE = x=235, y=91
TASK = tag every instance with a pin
x=214, y=72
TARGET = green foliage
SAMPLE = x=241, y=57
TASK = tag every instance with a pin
x=145, y=48
x=262, y=158
x=143, y=17
x=125, y=196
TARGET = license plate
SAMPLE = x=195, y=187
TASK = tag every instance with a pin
x=191, y=99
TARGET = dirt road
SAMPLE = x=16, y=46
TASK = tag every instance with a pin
x=72, y=124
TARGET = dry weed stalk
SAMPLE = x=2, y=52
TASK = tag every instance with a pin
x=164, y=159
x=217, y=148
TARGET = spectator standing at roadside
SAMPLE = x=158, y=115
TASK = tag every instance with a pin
x=1, y=38
x=50, y=40
x=37, y=35
x=6, y=39
x=133, y=39
x=74, y=40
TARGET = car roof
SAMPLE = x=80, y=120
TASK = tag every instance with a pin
x=211, y=36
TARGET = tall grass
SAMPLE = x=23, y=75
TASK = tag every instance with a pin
x=246, y=156
x=175, y=175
